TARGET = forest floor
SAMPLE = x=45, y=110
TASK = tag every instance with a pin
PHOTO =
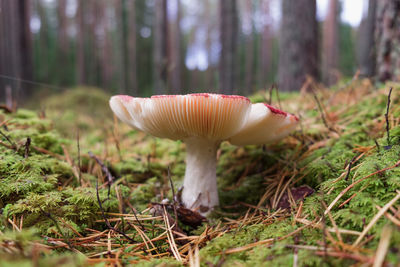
x=78, y=187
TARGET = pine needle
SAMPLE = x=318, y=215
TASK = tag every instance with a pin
x=376, y=218
x=383, y=246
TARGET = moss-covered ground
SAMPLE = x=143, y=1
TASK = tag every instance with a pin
x=341, y=156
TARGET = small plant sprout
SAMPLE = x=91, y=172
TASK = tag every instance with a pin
x=202, y=122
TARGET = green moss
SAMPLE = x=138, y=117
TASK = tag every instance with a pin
x=165, y=262
x=145, y=193
x=45, y=192
x=26, y=250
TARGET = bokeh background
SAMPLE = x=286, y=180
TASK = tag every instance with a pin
x=145, y=47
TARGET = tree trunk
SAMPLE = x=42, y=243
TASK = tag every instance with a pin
x=25, y=45
x=62, y=26
x=9, y=67
x=228, y=39
x=330, y=44
x=298, y=55
x=160, y=47
x=122, y=31
x=209, y=19
x=174, y=67
x=15, y=47
x=388, y=40
x=366, y=45
x=132, y=72
x=249, y=59
x=81, y=68
x=91, y=51
x=62, y=42
x=105, y=46
x=265, y=47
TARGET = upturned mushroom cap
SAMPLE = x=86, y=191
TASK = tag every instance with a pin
x=265, y=124
x=210, y=116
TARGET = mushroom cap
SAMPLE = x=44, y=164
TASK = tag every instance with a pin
x=265, y=124
x=210, y=116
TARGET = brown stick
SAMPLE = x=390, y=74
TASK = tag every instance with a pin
x=110, y=178
x=27, y=147
x=387, y=117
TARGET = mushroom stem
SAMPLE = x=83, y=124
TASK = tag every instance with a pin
x=200, y=183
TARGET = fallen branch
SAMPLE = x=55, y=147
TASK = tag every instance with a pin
x=13, y=145
x=27, y=147
x=387, y=119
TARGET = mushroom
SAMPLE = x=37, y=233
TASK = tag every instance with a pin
x=202, y=122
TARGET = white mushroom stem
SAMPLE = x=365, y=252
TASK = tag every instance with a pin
x=200, y=183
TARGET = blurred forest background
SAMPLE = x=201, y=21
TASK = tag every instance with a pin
x=145, y=47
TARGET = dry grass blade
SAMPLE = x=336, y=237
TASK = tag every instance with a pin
x=194, y=259
x=190, y=257
x=390, y=217
x=196, y=256
x=14, y=225
x=170, y=237
x=335, y=227
x=376, y=218
x=383, y=246
x=330, y=229
x=344, y=255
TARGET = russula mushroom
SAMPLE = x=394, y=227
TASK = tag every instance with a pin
x=202, y=122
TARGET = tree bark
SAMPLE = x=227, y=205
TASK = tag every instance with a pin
x=330, y=44
x=62, y=42
x=265, y=47
x=15, y=47
x=81, y=27
x=132, y=72
x=388, y=40
x=92, y=51
x=160, y=47
x=106, y=54
x=62, y=26
x=367, y=58
x=175, y=59
x=122, y=30
x=25, y=45
x=298, y=55
x=210, y=19
x=228, y=39
x=249, y=59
